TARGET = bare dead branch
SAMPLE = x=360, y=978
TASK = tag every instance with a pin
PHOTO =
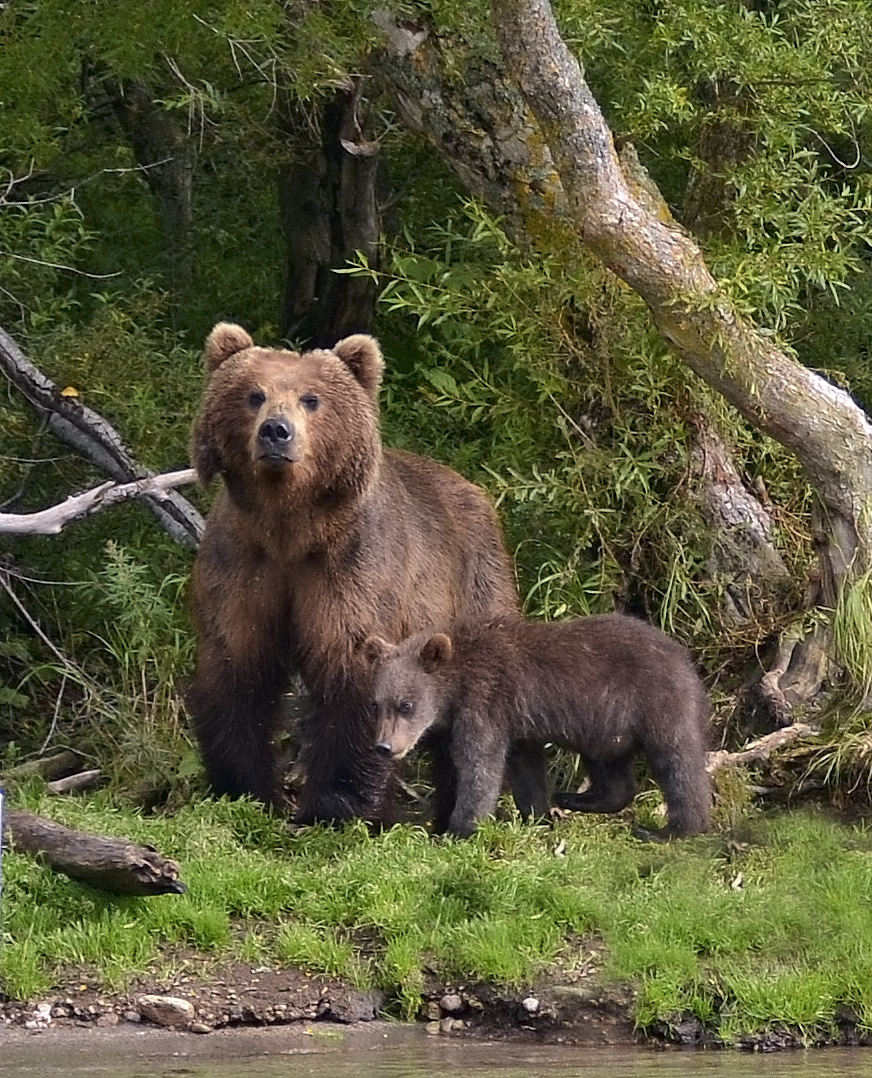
x=53, y=520
x=93, y=438
x=761, y=749
x=81, y=780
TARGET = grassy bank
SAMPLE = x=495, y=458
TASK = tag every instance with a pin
x=768, y=927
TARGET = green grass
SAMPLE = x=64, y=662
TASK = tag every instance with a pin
x=768, y=931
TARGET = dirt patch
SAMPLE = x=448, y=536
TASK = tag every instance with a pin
x=235, y=995
x=574, y=1009
x=224, y=996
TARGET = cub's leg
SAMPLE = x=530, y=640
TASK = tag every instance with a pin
x=681, y=774
x=528, y=779
x=444, y=782
x=612, y=787
x=479, y=756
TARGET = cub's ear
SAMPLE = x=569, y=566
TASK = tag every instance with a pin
x=436, y=652
x=225, y=340
x=376, y=650
x=362, y=356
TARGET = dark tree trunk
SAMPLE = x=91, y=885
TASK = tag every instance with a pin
x=329, y=211
x=166, y=152
x=723, y=144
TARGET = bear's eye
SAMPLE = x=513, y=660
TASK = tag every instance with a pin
x=405, y=708
x=256, y=398
x=310, y=402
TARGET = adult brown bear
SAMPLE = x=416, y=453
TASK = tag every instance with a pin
x=607, y=687
x=320, y=539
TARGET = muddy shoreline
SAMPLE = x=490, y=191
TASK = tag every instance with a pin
x=237, y=1002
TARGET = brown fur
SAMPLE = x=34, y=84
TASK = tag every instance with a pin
x=320, y=539
x=608, y=687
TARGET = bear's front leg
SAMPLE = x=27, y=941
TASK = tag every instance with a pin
x=243, y=662
x=346, y=778
x=235, y=721
x=444, y=781
x=479, y=755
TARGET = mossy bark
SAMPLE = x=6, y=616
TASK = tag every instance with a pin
x=819, y=422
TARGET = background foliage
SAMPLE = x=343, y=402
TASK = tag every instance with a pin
x=534, y=373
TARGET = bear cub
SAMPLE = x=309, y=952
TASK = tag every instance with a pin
x=608, y=687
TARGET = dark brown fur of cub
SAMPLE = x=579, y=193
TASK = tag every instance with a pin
x=607, y=687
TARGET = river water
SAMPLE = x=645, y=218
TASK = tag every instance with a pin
x=389, y=1052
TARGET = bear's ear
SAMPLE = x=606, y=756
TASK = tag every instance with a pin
x=362, y=356
x=376, y=650
x=225, y=340
x=436, y=652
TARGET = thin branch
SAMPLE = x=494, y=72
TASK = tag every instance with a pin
x=52, y=521
x=60, y=266
x=35, y=626
x=55, y=714
x=70, y=192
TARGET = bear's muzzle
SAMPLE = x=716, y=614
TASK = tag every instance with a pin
x=277, y=443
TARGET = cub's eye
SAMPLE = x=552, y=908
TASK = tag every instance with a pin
x=310, y=402
x=256, y=398
x=405, y=708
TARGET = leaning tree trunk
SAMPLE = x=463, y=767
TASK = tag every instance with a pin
x=535, y=146
x=483, y=127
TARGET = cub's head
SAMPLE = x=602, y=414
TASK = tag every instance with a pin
x=269, y=416
x=406, y=690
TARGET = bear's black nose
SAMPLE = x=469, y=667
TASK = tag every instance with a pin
x=383, y=747
x=276, y=433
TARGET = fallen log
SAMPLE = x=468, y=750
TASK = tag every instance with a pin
x=111, y=864
x=81, y=780
x=47, y=767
